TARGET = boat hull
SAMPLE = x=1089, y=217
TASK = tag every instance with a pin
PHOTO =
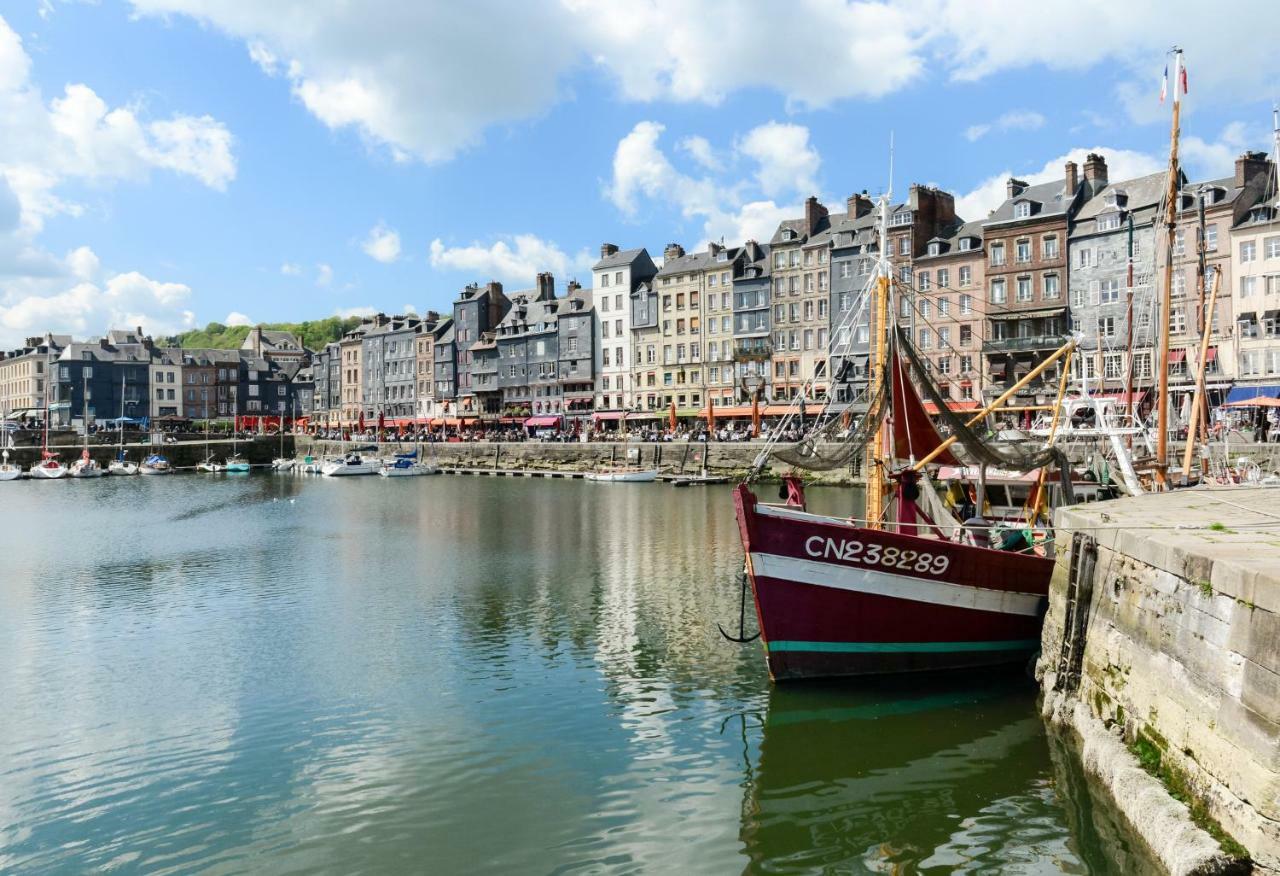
x=47, y=473
x=122, y=468
x=10, y=472
x=835, y=599
x=623, y=477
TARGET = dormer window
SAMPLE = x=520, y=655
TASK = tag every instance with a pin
x=1108, y=221
x=935, y=248
x=1186, y=201
x=1118, y=198
x=722, y=256
x=1022, y=210
x=903, y=218
x=788, y=234
x=966, y=244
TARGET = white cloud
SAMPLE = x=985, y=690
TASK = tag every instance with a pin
x=291, y=269
x=324, y=274
x=1014, y=120
x=699, y=149
x=518, y=259
x=410, y=308
x=235, y=317
x=77, y=303
x=382, y=244
x=787, y=163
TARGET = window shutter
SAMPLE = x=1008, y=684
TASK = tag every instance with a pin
x=1095, y=292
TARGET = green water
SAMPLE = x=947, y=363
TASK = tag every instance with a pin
x=274, y=674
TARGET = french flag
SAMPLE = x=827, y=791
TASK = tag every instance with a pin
x=1164, y=84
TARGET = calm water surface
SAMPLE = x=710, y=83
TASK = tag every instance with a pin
x=448, y=675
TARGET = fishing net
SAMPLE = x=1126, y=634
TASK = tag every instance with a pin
x=832, y=445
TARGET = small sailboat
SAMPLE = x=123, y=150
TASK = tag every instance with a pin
x=155, y=464
x=235, y=462
x=86, y=466
x=9, y=471
x=121, y=464
x=48, y=468
x=624, y=474
x=282, y=462
x=406, y=465
x=208, y=465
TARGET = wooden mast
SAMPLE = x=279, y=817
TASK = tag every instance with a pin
x=874, y=467
x=1198, y=416
x=1166, y=302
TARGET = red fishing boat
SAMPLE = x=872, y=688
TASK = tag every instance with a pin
x=907, y=587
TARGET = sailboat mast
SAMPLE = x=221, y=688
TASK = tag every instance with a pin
x=874, y=466
x=1166, y=302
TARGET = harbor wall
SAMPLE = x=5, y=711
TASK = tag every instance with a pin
x=727, y=459
x=1161, y=646
x=182, y=454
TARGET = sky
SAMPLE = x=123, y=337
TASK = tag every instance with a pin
x=167, y=163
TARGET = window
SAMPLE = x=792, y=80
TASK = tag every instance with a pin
x=1248, y=285
x=1108, y=291
x=1248, y=251
x=1084, y=257
x=1210, y=238
x=923, y=281
x=997, y=254
x=1142, y=365
x=944, y=306
x=779, y=259
x=1271, y=246
x=944, y=364
x=944, y=337
x=924, y=339
x=617, y=278
x=1179, y=284
x=1022, y=210
x=1024, y=289
x=1108, y=222
x=1049, y=286
x=1177, y=320
x=1049, y=247
x=604, y=281
x=966, y=339
x=966, y=276
x=903, y=218
x=846, y=270
x=998, y=295
x=925, y=308
x=1107, y=326
x=935, y=248
x=966, y=244
x=904, y=246
x=1180, y=242
x=904, y=274
x=1023, y=251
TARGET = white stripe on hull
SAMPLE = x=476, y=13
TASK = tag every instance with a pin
x=906, y=587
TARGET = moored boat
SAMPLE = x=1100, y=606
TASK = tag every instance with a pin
x=351, y=464
x=8, y=471
x=86, y=467
x=406, y=465
x=236, y=463
x=122, y=466
x=623, y=476
x=155, y=464
x=48, y=468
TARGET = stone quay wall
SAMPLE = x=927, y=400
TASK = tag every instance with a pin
x=1166, y=642
x=182, y=454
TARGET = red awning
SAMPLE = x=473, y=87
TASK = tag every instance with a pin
x=510, y=421
x=1211, y=354
x=728, y=412
x=1177, y=356
x=553, y=420
x=606, y=416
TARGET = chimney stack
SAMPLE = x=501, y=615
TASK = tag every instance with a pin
x=1095, y=173
x=608, y=249
x=1015, y=187
x=574, y=286
x=1072, y=179
x=546, y=286
x=713, y=249
x=813, y=211
x=859, y=205
x=1249, y=165
x=672, y=251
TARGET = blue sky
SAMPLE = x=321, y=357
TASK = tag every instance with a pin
x=172, y=162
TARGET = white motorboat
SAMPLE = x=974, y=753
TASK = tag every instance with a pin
x=210, y=466
x=122, y=466
x=86, y=467
x=403, y=468
x=351, y=464
x=48, y=468
x=283, y=464
x=155, y=464
x=9, y=471
x=624, y=476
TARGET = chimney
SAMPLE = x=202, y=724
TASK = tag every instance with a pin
x=1095, y=173
x=607, y=249
x=1072, y=179
x=574, y=286
x=1014, y=187
x=546, y=286
x=672, y=251
x=813, y=211
x=493, y=286
x=859, y=205
x=713, y=249
x=1249, y=165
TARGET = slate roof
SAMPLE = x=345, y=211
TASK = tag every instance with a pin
x=1143, y=192
x=1048, y=195
x=619, y=259
x=950, y=240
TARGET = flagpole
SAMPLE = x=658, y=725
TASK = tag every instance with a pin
x=1166, y=302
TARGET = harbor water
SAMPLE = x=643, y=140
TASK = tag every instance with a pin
x=272, y=673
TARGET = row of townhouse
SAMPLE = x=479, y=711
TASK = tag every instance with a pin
x=499, y=356
x=125, y=373
x=984, y=301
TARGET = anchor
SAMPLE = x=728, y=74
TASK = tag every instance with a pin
x=742, y=638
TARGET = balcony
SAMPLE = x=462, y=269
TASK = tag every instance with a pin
x=1019, y=345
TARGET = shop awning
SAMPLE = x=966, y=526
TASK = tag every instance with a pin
x=551, y=420
x=1248, y=316
x=606, y=416
x=1248, y=392
x=1211, y=354
x=646, y=415
x=729, y=412
x=1028, y=314
x=1176, y=356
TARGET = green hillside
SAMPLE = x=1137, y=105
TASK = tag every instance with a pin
x=314, y=333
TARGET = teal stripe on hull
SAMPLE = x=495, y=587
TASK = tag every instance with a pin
x=903, y=647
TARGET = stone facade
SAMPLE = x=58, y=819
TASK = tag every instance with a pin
x=616, y=277
x=1257, y=302
x=752, y=332
x=24, y=374
x=948, y=279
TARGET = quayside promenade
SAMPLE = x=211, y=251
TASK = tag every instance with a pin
x=1161, y=648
